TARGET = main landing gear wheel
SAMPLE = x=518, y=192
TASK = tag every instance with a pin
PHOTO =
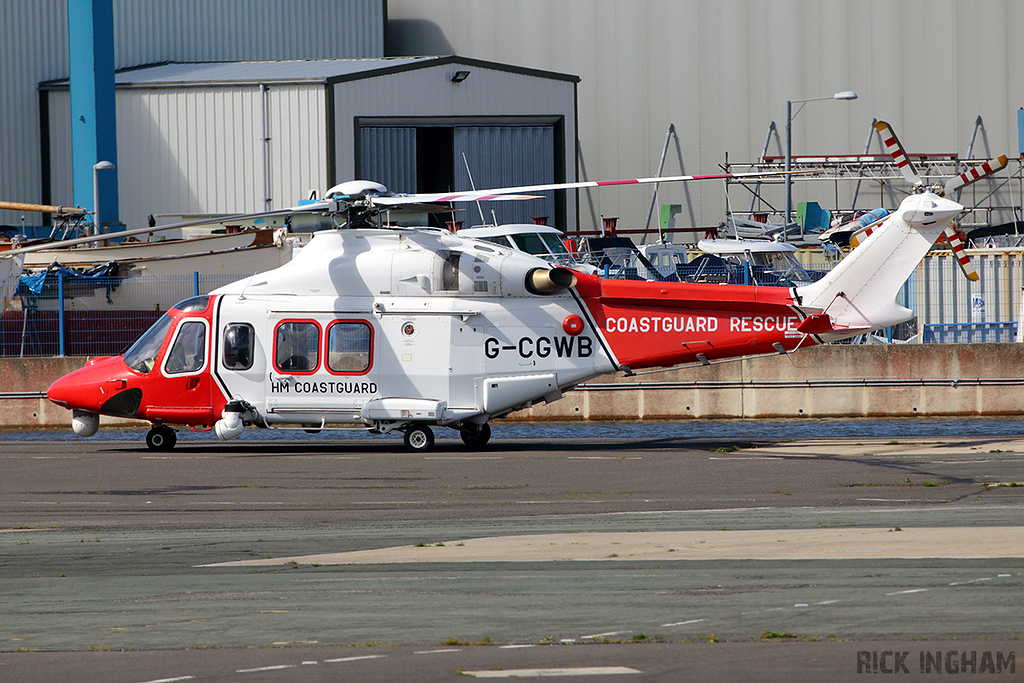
x=161, y=438
x=476, y=438
x=419, y=439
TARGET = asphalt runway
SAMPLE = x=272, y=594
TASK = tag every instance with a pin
x=656, y=558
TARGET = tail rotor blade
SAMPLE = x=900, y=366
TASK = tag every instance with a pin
x=898, y=154
x=861, y=235
x=975, y=174
x=962, y=259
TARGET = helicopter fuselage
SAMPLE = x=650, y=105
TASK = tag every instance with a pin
x=389, y=329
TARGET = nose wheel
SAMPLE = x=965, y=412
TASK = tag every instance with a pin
x=419, y=439
x=161, y=438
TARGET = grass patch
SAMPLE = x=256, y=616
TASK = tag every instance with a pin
x=774, y=635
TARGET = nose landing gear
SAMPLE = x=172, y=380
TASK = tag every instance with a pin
x=161, y=438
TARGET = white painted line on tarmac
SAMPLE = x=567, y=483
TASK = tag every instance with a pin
x=964, y=583
x=887, y=500
x=436, y=652
x=912, y=590
x=683, y=623
x=464, y=457
x=353, y=659
x=604, y=635
x=276, y=667
x=538, y=673
x=171, y=680
x=515, y=647
x=602, y=457
x=760, y=457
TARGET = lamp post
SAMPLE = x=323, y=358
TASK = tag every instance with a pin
x=101, y=166
x=845, y=95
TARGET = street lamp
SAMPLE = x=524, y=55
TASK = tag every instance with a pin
x=101, y=166
x=845, y=95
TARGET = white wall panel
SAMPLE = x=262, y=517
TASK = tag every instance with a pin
x=197, y=150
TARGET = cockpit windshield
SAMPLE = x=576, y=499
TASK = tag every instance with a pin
x=141, y=357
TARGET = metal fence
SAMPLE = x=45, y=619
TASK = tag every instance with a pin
x=105, y=315
x=96, y=317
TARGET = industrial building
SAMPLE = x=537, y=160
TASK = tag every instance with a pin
x=233, y=137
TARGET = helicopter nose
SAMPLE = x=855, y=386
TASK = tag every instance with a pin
x=85, y=388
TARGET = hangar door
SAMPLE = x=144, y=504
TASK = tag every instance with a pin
x=433, y=158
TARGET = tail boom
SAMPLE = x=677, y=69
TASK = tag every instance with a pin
x=661, y=324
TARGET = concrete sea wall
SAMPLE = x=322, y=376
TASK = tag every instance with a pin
x=891, y=380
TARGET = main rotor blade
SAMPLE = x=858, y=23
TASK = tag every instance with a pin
x=899, y=155
x=413, y=200
x=975, y=174
x=144, y=231
x=493, y=194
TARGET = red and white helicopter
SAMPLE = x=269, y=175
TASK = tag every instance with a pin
x=405, y=330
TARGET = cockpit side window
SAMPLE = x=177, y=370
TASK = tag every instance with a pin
x=188, y=352
x=141, y=356
x=238, y=346
x=297, y=346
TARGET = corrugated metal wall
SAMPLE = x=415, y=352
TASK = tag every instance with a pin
x=201, y=150
x=388, y=156
x=506, y=156
x=35, y=48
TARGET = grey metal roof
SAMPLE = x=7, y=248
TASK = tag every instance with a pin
x=292, y=71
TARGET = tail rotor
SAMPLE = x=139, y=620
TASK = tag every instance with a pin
x=954, y=184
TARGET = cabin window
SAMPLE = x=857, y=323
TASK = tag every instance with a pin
x=297, y=346
x=142, y=355
x=238, y=343
x=188, y=352
x=349, y=347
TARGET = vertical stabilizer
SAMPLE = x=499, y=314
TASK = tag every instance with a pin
x=860, y=292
